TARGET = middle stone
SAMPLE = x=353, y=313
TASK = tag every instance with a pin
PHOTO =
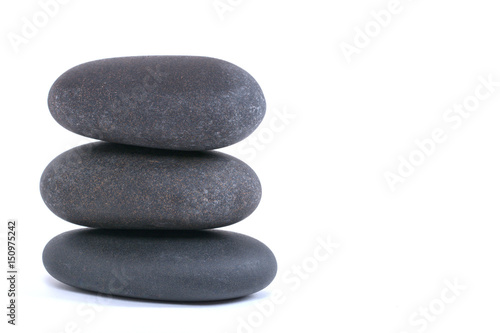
x=106, y=185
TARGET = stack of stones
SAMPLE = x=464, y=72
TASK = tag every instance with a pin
x=152, y=187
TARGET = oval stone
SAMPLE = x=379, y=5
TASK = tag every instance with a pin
x=161, y=265
x=170, y=102
x=107, y=185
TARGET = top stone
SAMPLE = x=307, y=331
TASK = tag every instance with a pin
x=169, y=102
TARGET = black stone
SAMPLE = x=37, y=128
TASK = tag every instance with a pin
x=161, y=265
x=170, y=102
x=107, y=185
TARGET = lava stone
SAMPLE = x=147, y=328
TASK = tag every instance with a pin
x=169, y=102
x=161, y=265
x=107, y=185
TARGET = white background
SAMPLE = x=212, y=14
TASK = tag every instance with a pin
x=322, y=171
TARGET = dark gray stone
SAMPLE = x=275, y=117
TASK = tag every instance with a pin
x=170, y=102
x=107, y=185
x=161, y=265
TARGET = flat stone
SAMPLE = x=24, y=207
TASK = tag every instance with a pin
x=107, y=185
x=161, y=265
x=169, y=102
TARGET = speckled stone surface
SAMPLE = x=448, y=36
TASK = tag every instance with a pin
x=109, y=185
x=161, y=265
x=170, y=102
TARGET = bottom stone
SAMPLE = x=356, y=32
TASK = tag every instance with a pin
x=182, y=266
